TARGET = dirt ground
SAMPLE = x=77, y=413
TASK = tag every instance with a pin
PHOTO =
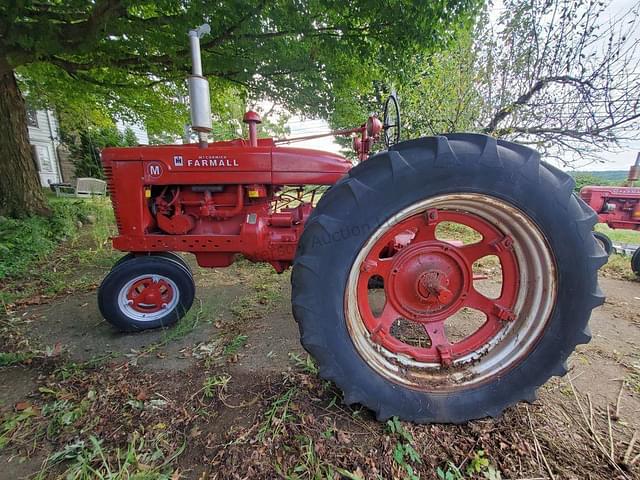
x=229, y=393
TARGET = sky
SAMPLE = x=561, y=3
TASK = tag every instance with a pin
x=619, y=160
x=300, y=127
x=623, y=159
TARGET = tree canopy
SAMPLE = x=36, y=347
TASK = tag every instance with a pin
x=561, y=76
x=122, y=58
x=130, y=58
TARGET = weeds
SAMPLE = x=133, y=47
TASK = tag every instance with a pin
x=265, y=292
x=480, y=465
x=212, y=386
x=619, y=266
x=89, y=461
x=404, y=455
x=11, y=425
x=63, y=414
x=26, y=241
x=450, y=472
x=12, y=358
x=311, y=466
x=55, y=247
x=235, y=345
x=307, y=364
x=277, y=415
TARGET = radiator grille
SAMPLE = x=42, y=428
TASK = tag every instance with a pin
x=108, y=173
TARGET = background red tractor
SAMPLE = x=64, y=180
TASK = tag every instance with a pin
x=619, y=208
x=372, y=270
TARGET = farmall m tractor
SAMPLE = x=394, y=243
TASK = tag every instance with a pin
x=619, y=208
x=369, y=258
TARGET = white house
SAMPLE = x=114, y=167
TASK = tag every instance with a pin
x=137, y=128
x=44, y=137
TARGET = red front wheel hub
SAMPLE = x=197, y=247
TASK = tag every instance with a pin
x=148, y=297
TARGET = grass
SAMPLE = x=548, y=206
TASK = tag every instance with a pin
x=13, y=358
x=235, y=345
x=92, y=420
x=263, y=290
x=404, y=453
x=619, y=266
x=618, y=235
x=90, y=460
x=16, y=425
x=66, y=257
x=24, y=242
x=306, y=364
x=277, y=415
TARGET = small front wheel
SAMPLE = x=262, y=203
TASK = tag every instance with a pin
x=605, y=242
x=146, y=292
x=168, y=255
x=635, y=262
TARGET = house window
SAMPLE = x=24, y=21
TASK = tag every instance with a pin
x=32, y=117
x=44, y=159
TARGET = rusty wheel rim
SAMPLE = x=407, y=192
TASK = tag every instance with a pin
x=428, y=280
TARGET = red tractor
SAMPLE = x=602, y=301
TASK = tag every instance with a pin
x=369, y=258
x=619, y=208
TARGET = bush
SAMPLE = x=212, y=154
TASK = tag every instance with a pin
x=85, y=146
x=26, y=241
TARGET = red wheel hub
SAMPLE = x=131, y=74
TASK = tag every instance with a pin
x=426, y=279
x=429, y=280
x=149, y=295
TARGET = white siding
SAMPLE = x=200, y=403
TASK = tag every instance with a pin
x=139, y=130
x=44, y=139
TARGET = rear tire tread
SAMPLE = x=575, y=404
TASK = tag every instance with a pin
x=411, y=158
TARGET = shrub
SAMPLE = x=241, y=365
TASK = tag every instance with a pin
x=25, y=241
x=85, y=147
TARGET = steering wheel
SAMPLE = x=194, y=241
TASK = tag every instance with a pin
x=391, y=119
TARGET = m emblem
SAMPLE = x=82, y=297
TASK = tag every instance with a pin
x=155, y=170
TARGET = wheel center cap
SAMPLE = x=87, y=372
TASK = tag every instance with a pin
x=432, y=287
x=428, y=280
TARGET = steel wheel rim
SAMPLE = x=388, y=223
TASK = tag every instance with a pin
x=133, y=303
x=533, y=304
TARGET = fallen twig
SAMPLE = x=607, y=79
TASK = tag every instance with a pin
x=629, y=451
x=617, y=412
x=537, y=445
x=588, y=419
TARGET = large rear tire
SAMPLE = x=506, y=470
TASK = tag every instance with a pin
x=380, y=222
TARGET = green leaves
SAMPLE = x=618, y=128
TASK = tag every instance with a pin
x=404, y=455
x=130, y=60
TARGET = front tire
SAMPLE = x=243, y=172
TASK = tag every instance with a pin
x=146, y=292
x=635, y=262
x=605, y=242
x=380, y=222
x=168, y=255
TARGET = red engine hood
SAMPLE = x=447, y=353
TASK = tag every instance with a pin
x=233, y=162
x=306, y=166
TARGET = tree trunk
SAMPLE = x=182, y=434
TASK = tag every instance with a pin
x=20, y=190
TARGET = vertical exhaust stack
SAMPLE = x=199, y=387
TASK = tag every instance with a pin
x=634, y=172
x=199, y=88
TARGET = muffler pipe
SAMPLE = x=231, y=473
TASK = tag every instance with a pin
x=634, y=172
x=199, y=88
